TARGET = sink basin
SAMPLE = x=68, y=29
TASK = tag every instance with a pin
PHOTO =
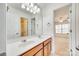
x=40, y=36
x=22, y=44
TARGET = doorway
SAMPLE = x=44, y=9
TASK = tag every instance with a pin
x=24, y=26
x=62, y=31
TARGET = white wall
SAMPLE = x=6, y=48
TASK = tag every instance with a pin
x=38, y=23
x=2, y=27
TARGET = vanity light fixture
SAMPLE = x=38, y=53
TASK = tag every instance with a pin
x=31, y=7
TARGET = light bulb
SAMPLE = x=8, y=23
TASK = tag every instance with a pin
x=23, y=6
x=31, y=10
x=38, y=10
x=27, y=9
x=31, y=4
x=35, y=7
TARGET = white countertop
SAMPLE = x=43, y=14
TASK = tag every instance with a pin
x=18, y=47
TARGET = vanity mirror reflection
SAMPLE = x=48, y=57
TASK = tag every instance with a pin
x=23, y=22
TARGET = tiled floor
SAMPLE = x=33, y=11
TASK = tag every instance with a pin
x=62, y=46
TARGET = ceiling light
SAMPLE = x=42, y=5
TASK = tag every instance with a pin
x=31, y=4
x=23, y=6
x=38, y=10
x=31, y=10
x=35, y=7
x=60, y=19
x=31, y=7
x=34, y=12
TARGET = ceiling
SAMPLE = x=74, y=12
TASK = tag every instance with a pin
x=62, y=14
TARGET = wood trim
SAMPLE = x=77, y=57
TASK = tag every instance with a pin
x=47, y=41
x=43, y=48
x=34, y=51
x=37, y=51
x=47, y=46
x=30, y=49
x=50, y=45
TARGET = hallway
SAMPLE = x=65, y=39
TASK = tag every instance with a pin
x=62, y=46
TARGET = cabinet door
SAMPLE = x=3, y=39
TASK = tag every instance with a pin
x=47, y=49
x=40, y=53
x=47, y=41
x=34, y=51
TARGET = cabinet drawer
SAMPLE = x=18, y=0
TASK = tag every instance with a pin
x=47, y=41
x=33, y=51
x=40, y=53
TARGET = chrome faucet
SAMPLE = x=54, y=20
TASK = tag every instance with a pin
x=24, y=40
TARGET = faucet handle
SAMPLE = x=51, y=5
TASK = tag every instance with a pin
x=23, y=40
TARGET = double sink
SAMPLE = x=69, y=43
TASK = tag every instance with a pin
x=23, y=44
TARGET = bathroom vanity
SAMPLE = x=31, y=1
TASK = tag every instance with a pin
x=34, y=46
x=42, y=49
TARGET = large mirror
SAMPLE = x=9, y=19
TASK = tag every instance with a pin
x=22, y=21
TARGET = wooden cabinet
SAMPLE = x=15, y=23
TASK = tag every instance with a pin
x=47, y=47
x=39, y=53
x=43, y=49
x=33, y=51
x=46, y=50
